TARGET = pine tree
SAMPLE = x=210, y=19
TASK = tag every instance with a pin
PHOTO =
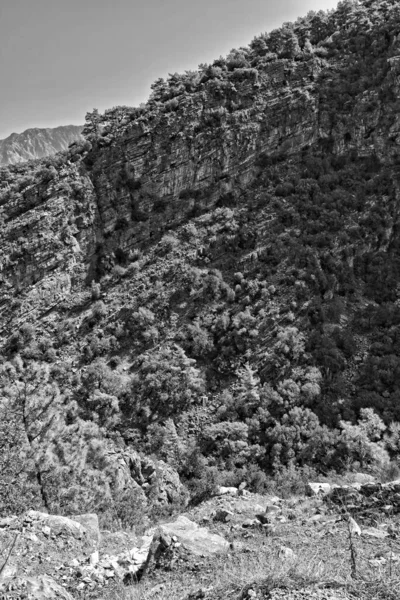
x=248, y=398
x=30, y=411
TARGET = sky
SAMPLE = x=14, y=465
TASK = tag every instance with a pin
x=62, y=58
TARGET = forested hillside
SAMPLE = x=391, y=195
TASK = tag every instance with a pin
x=208, y=285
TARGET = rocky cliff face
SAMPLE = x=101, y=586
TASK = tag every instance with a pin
x=37, y=143
x=185, y=159
x=198, y=142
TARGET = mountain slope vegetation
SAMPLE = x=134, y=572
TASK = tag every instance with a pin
x=211, y=280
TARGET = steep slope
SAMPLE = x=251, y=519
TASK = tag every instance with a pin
x=37, y=143
x=212, y=278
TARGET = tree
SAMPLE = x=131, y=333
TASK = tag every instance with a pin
x=30, y=415
x=166, y=383
x=248, y=396
x=362, y=442
x=284, y=41
x=91, y=129
x=299, y=439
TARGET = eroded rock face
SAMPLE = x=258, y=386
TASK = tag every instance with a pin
x=154, y=481
x=151, y=172
x=48, y=238
x=188, y=159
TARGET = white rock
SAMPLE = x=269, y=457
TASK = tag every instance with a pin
x=317, y=489
x=59, y=525
x=227, y=491
x=133, y=569
x=354, y=527
x=94, y=558
x=363, y=478
x=9, y=572
x=286, y=553
x=374, y=532
x=43, y=587
x=109, y=573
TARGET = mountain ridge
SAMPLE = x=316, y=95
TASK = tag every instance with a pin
x=37, y=142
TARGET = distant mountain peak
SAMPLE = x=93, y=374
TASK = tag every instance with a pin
x=37, y=143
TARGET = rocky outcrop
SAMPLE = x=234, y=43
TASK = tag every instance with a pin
x=81, y=527
x=156, y=481
x=80, y=567
x=198, y=143
x=37, y=143
x=48, y=236
x=368, y=497
x=164, y=165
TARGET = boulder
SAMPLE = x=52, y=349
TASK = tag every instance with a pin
x=272, y=509
x=227, y=491
x=375, y=532
x=195, y=539
x=394, y=486
x=318, y=489
x=264, y=518
x=223, y=515
x=9, y=523
x=346, y=493
x=169, y=486
x=370, y=489
x=8, y=572
x=57, y=524
x=155, y=482
x=250, y=523
x=42, y=587
x=90, y=522
x=363, y=478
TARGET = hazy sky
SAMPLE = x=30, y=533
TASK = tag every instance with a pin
x=61, y=58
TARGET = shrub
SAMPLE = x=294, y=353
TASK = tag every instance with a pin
x=165, y=383
x=99, y=310
x=168, y=243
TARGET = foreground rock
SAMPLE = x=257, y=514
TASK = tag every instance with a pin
x=194, y=538
x=79, y=527
x=42, y=587
x=368, y=496
x=70, y=551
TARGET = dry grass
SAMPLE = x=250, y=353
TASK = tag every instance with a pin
x=322, y=559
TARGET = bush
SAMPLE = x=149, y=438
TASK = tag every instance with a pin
x=99, y=310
